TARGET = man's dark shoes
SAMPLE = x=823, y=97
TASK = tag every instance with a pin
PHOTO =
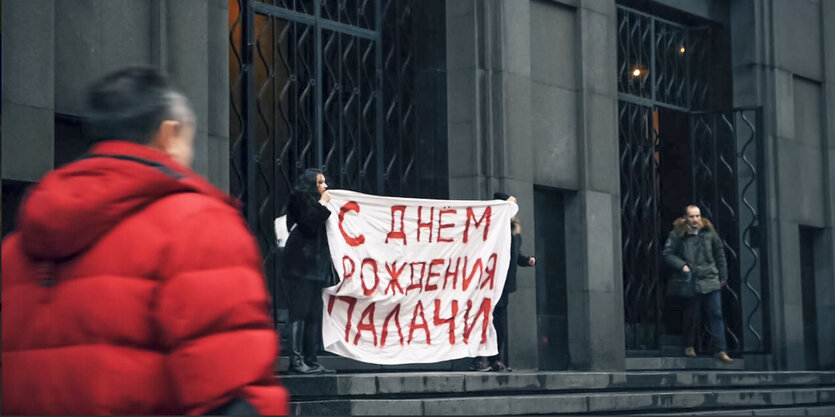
x=480, y=365
x=499, y=366
x=723, y=357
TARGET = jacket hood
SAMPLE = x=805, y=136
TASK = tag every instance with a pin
x=75, y=205
x=680, y=225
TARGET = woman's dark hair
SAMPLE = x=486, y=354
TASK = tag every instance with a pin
x=306, y=183
x=130, y=104
x=305, y=189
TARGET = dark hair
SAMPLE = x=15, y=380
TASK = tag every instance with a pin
x=131, y=103
x=500, y=196
x=306, y=183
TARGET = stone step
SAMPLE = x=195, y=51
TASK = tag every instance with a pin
x=674, y=361
x=577, y=403
x=439, y=384
x=826, y=410
x=681, y=362
x=349, y=365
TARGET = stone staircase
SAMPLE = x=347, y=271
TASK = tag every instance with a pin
x=639, y=392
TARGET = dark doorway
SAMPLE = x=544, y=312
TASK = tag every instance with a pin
x=13, y=193
x=551, y=303
x=808, y=236
x=676, y=191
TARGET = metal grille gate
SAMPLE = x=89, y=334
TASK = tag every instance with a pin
x=640, y=224
x=728, y=185
x=660, y=65
x=318, y=83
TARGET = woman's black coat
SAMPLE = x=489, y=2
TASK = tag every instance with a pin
x=306, y=254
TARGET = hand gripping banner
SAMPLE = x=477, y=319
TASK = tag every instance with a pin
x=418, y=278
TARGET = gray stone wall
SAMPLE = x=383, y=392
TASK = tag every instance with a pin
x=782, y=62
x=52, y=50
x=825, y=270
x=560, y=70
x=28, y=88
x=489, y=130
x=532, y=101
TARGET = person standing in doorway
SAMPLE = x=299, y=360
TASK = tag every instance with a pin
x=307, y=266
x=697, y=255
x=498, y=362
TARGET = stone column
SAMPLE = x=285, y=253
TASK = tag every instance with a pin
x=192, y=46
x=489, y=130
x=28, y=88
x=218, y=94
x=788, y=82
x=595, y=281
x=187, y=62
x=825, y=270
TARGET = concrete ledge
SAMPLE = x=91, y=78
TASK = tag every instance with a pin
x=788, y=411
x=387, y=408
x=730, y=402
x=673, y=362
x=425, y=383
x=349, y=365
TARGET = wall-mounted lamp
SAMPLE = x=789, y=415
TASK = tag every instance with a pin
x=682, y=50
x=638, y=71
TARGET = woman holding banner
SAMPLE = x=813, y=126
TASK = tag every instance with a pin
x=497, y=362
x=307, y=266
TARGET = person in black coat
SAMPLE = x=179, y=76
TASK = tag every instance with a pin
x=307, y=267
x=497, y=362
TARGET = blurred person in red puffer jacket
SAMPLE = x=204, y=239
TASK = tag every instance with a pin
x=132, y=285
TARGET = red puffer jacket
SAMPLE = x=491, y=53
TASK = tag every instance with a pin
x=133, y=286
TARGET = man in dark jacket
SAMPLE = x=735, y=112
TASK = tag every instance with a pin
x=132, y=285
x=694, y=250
x=497, y=363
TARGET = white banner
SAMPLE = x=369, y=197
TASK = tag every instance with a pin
x=418, y=278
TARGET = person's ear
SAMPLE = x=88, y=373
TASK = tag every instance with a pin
x=166, y=137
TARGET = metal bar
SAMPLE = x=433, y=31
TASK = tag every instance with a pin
x=648, y=102
x=275, y=169
x=652, y=76
x=317, y=65
x=733, y=109
x=249, y=94
x=379, y=81
x=762, y=221
x=275, y=11
x=340, y=115
x=715, y=171
x=687, y=76
x=347, y=29
x=656, y=261
x=693, y=163
x=660, y=19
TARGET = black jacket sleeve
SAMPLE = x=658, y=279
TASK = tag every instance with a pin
x=306, y=212
x=521, y=260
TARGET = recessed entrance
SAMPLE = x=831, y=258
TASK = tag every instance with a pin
x=672, y=153
x=676, y=191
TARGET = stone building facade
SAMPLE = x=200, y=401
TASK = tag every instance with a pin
x=602, y=117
